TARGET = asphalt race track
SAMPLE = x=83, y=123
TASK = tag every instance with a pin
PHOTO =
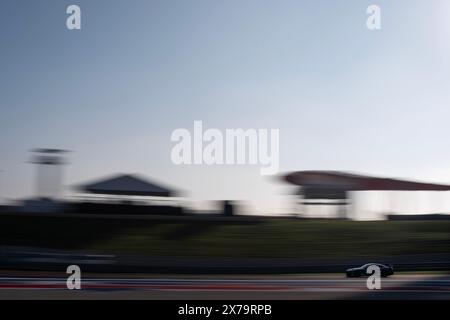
x=286, y=287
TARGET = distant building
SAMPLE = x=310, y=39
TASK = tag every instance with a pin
x=127, y=185
x=49, y=165
x=42, y=205
x=127, y=194
x=332, y=188
x=418, y=217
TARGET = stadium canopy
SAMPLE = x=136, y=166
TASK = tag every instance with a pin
x=127, y=185
x=332, y=188
x=356, y=182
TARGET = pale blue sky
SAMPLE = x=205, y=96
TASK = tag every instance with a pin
x=343, y=97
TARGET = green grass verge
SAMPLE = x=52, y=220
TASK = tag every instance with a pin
x=272, y=238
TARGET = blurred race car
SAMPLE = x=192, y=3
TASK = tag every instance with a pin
x=385, y=270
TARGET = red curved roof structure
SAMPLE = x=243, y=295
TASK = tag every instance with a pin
x=357, y=182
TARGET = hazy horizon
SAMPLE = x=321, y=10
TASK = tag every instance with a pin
x=342, y=96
